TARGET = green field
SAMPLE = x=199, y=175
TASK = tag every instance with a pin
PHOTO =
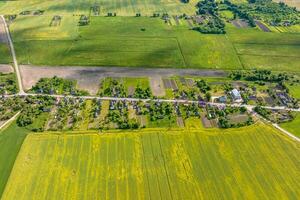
x=121, y=7
x=294, y=90
x=11, y=140
x=108, y=42
x=293, y=126
x=149, y=42
x=144, y=41
x=5, y=54
x=245, y=163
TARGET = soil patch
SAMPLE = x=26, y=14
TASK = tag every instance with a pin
x=3, y=35
x=88, y=77
x=180, y=122
x=240, y=23
x=262, y=26
x=6, y=69
x=157, y=86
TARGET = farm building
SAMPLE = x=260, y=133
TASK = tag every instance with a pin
x=236, y=95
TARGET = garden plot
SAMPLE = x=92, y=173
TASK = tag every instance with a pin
x=208, y=123
x=262, y=26
x=170, y=84
x=187, y=81
x=238, y=118
x=157, y=86
x=240, y=23
x=142, y=119
x=180, y=122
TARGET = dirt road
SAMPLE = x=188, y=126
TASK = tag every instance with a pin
x=89, y=77
x=3, y=35
x=13, y=53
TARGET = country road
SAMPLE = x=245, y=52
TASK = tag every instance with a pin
x=13, y=53
x=249, y=107
x=10, y=120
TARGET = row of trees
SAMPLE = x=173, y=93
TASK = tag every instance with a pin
x=57, y=85
x=260, y=75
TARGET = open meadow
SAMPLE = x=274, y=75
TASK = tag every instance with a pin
x=149, y=42
x=157, y=164
x=143, y=42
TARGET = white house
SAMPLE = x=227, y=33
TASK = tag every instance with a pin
x=236, y=95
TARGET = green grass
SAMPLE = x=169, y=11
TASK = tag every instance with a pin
x=293, y=126
x=5, y=57
x=243, y=163
x=39, y=123
x=226, y=14
x=271, y=62
x=134, y=82
x=144, y=41
x=107, y=42
x=264, y=50
x=294, y=90
x=11, y=140
x=121, y=7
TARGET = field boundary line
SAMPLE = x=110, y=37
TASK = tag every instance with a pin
x=269, y=44
x=250, y=54
x=164, y=162
x=180, y=49
x=236, y=52
x=155, y=167
x=2, y=127
x=145, y=167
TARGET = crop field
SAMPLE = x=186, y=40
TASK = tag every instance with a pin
x=143, y=42
x=121, y=7
x=11, y=140
x=258, y=49
x=5, y=54
x=157, y=164
x=294, y=90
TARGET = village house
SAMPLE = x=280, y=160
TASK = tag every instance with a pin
x=236, y=96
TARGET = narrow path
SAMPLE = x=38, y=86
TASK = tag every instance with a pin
x=286, y=132
x=249, y=107
x=13, y=53
x=10, y=120
x=279, y=128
